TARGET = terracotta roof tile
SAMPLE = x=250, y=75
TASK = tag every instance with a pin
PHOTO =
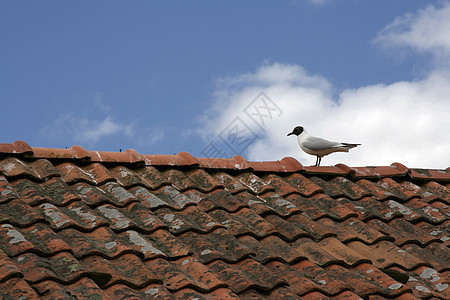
x=245, y=275
x=219, y=244
x=84, y=288
x=19, y=213
x=17, y=288
x=121, y=225
x=244, y=221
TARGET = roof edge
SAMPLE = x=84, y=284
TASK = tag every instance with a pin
x=285, y=165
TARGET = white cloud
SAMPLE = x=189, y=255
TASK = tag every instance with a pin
x=83, y=130
x=403, y=122
x=406, y=122
x=425, y=31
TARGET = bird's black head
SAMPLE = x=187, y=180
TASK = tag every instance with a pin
x=297, y=130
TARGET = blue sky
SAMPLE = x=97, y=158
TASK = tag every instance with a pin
x=168, y=76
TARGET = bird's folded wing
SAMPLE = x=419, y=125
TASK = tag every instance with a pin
x=315, y=143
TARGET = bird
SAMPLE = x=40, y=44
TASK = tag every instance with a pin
x=319, y=146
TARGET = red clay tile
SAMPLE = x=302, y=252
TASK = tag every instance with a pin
x=102, y=241
x=59, y=192
x=275, y=294
x=18, y=147
x=352, y=229
x=230, y=183
x=386, y=254
x=220, y=293
x=332, y=207
x=76, y=152
x=303, y=185
x=287, y=164
x=350, y=189
x=389, y=286
x=281, y=187
x=217, y=199
x=7, y=191
x=8, y=268
x=152, y=178
x=375, y=190
x=428, y=212
x=90, y=195
x=257, y=204
x=395, y=188
x=244, y=221
x=135, y=216
x=141, y=245
x=397, y=235
x=191, y=219
x=306, y=277
x=76, y=215
x=376, y=172
x=438, y=190
x=298, y=226
x=37, y=238
x=218, y=244
x=17, y=288
x=437, y=255
x=363, y=283
x=13, y=167
x=344, y=255
x=167, y=243
x=128, y=269
x=245, y=275
x=62, y=267
x=427, y=174
x=330, y=189
x=369, y=208
x=185, y=272
x=443, y=208
x=31, y=192
x=235, y=163
x=426, y=282
x=152, y=291
x=203, y=181
x=280, y=205
x=315, y=253
x=169, y=196
x=414, y=191
x=128, y=156
x=437, y=231
x=84, y=288
x=307, y=206
x=254, y=183
x=73, y=174
x=180, y=159
x=420, y=236
x=127, y=178
x=18, y=213
x=271, y=248
x=314, y=296
x=328, y=170
x=178, y=179
x=117, y=195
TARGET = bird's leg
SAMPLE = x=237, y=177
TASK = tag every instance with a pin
x=320, y=159
x=317, y=161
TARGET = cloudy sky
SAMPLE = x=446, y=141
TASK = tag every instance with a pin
x=218, y=79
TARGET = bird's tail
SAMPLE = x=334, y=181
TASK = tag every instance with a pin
x=350, y=146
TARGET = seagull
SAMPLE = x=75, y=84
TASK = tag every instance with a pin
x=318, y=146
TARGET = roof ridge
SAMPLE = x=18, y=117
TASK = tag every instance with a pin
x=238, y=162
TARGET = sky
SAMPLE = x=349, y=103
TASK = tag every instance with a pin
x=226, y=78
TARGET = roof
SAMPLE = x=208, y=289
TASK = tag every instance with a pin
x=77, y=224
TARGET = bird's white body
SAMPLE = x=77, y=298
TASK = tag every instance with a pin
x=318, y=146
